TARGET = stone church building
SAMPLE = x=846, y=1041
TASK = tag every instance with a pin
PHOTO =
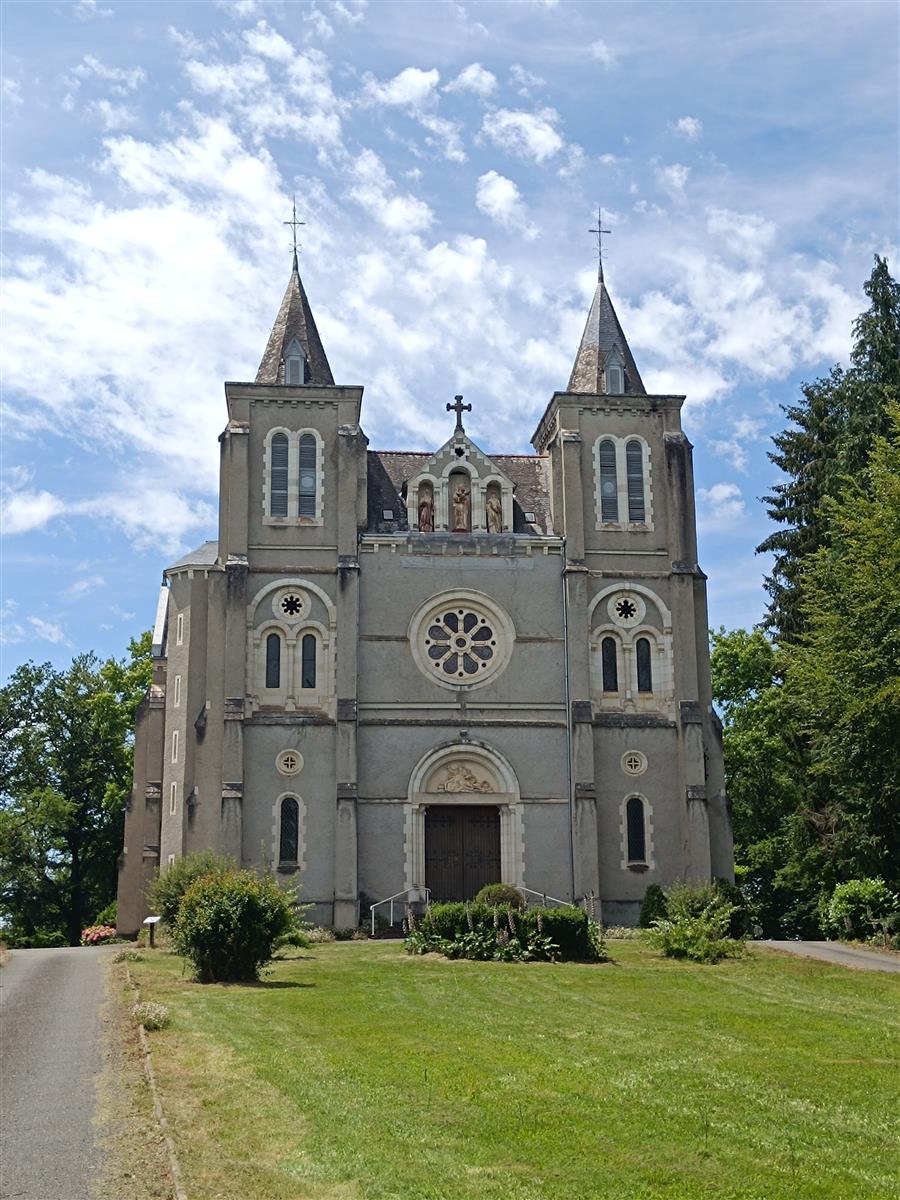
x=404, y=670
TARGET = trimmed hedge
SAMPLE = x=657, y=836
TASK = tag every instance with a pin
x=500, y=893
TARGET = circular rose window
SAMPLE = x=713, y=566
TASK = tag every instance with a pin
x=462, y=640
x=291, y=604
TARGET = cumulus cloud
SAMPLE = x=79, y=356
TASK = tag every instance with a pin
x=689, y=128
x=500, y=199
x=112, y=116
x=721, y=506
x=377, y=193
x=90, y=10
x=529, y=135
x=23, y=511
x=411, y=88
x=673, y=178
x=48, y=631
x=122, y=80
x=475, y=79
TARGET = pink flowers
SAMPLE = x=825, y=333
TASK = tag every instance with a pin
x=95, y=935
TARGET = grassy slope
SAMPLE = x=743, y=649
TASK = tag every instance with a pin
x=356, y=1071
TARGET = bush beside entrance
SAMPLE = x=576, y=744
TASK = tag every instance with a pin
x=505, y=933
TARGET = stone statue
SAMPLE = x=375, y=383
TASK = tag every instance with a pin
x=461, y=510
x=426, y=510
x=494, y=513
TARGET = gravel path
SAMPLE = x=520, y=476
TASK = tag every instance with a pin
x=51, y=1053
x=841, y=955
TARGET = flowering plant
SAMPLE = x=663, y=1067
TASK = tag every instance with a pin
x=95, y=935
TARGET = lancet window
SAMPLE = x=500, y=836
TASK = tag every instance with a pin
x=278, y=475
x=289, y=832
x=273, y=660
x=635, y=831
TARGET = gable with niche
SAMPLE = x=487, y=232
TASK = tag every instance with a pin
x=460, y=490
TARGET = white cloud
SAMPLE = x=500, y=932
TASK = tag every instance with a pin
x=123, y=80
x=11, y=91
x=722, y=506
x=84, y=586
x=377, y=193
x=749, y=234
x=524, y=79
x=89, y=10
x=268, y=43
x=412, y=88
x=673, y=178
x=689, y=128
x=500, y=199
x=475, y=79
x=48, y=631
x=112, y=116
x=352, y=14
x=445, y=135
x=25, y=511
x=525, y=134
x=603, y=53
x=11, y=631
x=745, y=431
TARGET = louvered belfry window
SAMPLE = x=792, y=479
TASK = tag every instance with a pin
x=644, y=670
x=308, y=661
x=307, y=475
x=608, y=665
x=289, y=839
x=637, y=840
x=634, y=470
x=273, y=661
x=609, y=487
x=278, y=475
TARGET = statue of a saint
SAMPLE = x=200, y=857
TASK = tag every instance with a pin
x=461, y=510
x=494, y=513
x=426, y=510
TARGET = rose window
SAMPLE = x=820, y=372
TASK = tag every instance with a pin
x=625, y=609
x=291, y=605
x=462, y=639
x=460, y=643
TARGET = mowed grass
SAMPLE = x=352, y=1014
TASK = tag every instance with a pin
x=356, y=1071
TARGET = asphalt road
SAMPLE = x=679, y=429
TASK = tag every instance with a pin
x=51, y=1055
x=841, y=955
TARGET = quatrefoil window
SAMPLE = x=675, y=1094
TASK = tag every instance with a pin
x=460, y=643
x=634, y=762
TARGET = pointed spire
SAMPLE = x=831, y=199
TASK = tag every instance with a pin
x=294, y=320
x=603, y=344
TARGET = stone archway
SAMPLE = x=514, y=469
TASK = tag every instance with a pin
x=471, y=791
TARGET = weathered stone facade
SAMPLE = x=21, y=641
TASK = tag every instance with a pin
x=394, y=671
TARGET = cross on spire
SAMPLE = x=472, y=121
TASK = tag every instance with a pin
x=295, y=225
x=459, y=408
x=600, y=232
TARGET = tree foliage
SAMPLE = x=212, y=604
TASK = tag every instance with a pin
x=65, y=772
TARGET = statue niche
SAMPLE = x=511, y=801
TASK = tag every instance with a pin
x=426, y=508
x=460, y=503
x=493, y=510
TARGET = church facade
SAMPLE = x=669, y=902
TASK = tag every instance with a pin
x=395, y=671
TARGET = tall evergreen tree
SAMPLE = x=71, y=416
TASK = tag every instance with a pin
x=827, y=445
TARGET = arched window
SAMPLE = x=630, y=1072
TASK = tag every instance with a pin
x=307, y=446
x=634, y=470
x=294, y=364
x=635, y=830
x=644, y=670
x=289, y=832
x=615, y=379
x=308, y=661
x=278, y=475
x=609, y=488
x=608, y=665
x=273, y=661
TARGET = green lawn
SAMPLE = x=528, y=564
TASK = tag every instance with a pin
x=357, y=1071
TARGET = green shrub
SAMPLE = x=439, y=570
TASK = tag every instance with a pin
x=228, y=924
x=128, y=956
x=500, y=893
x=151, y=1015
x=653, y=907
x=169, y=885
x=697, y=926
x=344, y=934
x=319, y=934
x=106, y=916
x=742, y=915
x=507, y=934
x=294, y=937
x=860, y=908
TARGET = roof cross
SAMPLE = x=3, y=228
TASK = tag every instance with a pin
x=600, y=232
x=459, y=408
x=295, y=225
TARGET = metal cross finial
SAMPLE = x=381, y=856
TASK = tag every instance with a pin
x=600, y=232
x=295, y=224
x=459, y=408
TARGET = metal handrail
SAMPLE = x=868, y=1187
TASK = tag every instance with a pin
x=420, y=893
x=544, y=896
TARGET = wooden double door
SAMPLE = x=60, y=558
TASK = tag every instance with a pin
x=462, y=849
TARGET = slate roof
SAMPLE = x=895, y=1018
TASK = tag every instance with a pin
x=204, y=556
x=602, y=334
x=295, y=320
x=388, y=471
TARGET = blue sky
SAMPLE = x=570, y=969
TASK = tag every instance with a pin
x=448, y=159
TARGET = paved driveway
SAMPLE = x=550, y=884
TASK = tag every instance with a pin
x=51, y=1054
x=843, y=956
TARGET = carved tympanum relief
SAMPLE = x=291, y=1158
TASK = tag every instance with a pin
x=459, y=777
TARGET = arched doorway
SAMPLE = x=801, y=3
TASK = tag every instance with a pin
x=463, y=822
